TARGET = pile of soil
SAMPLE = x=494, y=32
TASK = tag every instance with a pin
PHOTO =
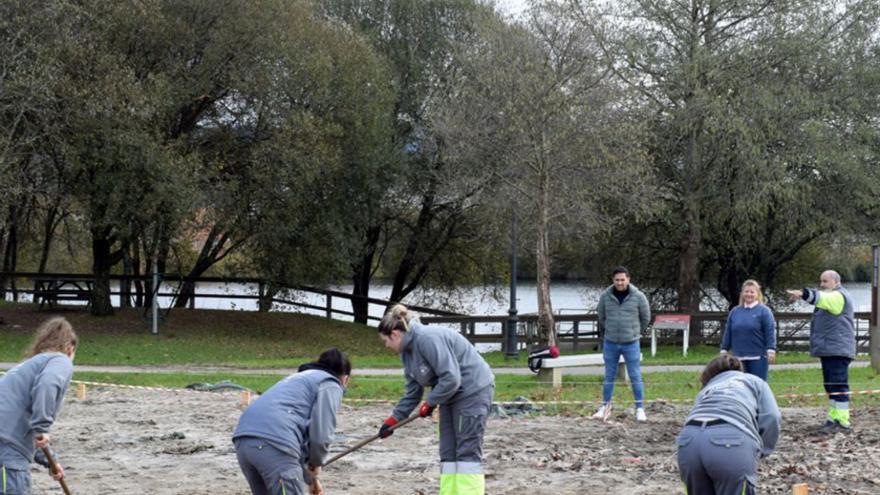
x=161, y=442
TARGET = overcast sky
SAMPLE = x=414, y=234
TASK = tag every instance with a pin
x=511, y=6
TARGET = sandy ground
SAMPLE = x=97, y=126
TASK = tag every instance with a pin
x=160, y=442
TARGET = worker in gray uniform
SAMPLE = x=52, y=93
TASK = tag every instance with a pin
x=284, y=436
x=734, y=422
x=462, y=384
x=30, y=400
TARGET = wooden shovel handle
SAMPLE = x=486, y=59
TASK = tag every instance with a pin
x=54, y=467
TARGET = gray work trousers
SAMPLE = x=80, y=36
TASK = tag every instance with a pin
x=268, y=470
x=15, y=474
x=462, y=425
x=717, y=460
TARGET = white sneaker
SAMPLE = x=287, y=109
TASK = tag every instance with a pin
x=604, y=412
x=640, y=415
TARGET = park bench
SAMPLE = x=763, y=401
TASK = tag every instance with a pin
x=52, y=290
x=552, y=369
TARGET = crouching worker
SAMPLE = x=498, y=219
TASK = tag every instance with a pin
x=462, y=384
x=284, y=436
x=30, y=399
x=734, y=422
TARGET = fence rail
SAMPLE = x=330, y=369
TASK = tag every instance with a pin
x=576, y=331
x=41, y=283
x=580, y=331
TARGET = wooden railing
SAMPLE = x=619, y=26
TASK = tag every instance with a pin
x=580, y=331
x=53, y=287
x=576, y=331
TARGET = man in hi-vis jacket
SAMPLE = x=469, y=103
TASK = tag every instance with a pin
x=833, y=341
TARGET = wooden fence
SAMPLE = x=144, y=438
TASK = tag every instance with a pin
x=575, y=331
x=580, y=331
x=54, y=288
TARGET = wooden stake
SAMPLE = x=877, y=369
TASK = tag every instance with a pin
x=246, y=398
x=800, y=489
x=81, y=391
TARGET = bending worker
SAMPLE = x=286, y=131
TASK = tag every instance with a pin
x=284, y=437
x=735, y=420
x=833, y=341
x=462, y=384
x=30, y=399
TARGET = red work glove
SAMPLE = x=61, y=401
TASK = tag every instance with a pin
x=426, y=410
x=385, y=430
x=554, y=351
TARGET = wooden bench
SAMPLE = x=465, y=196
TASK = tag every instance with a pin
x=552, y=369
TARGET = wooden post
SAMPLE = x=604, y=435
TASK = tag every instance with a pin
x=81, y=391
x=575, y=330
x=246, y=398
x=800, y=489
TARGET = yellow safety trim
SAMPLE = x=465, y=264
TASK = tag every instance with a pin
x=470, y=484
x=447, y=484
x=745, y=484
x=4, y=479
x=283, y=490
x=831, y=301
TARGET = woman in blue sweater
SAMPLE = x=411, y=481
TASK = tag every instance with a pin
x=750, y=334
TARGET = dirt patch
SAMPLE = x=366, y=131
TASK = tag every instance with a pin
x=136, y=441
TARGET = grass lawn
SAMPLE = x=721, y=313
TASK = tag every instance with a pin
x=677, y=387
x=245, y=339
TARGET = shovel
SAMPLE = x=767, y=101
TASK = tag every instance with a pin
x=53, y=466
x=316, y=486
x=373, y=438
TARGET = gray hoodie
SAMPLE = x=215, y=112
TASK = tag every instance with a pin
x=444, y=360
x=297, y=415
x=30, y=399
x=746, y=402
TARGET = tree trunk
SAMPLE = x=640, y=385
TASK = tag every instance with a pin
x=362, y=273
x=415, y=262
x=10, y=255
x=212, y=252
x=125, y=283
x=101, y=265
x=53, y=219
x=546, y=323
x=136, y=273
x=267, y=293
x=689, y=265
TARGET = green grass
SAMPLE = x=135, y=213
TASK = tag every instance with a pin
x=199, y=337
x=247, y=340
x=675, y=387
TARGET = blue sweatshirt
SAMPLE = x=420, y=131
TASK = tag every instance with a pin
x=749, y=332
x=30, y=399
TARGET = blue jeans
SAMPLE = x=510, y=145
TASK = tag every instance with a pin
x=757, y=367
x=631, y=355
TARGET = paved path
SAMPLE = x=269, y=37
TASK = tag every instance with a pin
x=586, y=370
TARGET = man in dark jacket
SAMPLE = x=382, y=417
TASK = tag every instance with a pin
x=833, y=341
x=624, y=314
